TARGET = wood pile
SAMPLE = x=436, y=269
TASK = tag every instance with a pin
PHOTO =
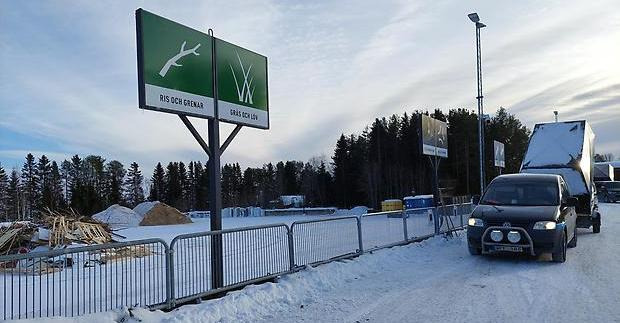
x=70, y=227
x=15, y=236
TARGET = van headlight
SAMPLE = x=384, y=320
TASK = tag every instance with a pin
x=474, y=222
x=544, y=225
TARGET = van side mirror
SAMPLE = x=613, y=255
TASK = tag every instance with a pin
x=572, y=201
x=475, y=200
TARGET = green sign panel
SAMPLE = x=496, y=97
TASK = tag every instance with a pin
x=241, y=85
x=175, y=74
x=174, y=67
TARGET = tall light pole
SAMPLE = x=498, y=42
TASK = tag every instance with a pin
x=475, y=19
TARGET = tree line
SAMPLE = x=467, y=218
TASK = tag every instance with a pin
x=88, y=185
x=383, y=161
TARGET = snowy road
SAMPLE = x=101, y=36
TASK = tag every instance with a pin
x=437, y=281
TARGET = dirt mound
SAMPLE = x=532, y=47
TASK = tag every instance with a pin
x=162, y=214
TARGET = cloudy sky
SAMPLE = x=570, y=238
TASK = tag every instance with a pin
x=68, y=79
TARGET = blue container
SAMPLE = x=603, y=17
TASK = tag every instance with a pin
x=418, y=202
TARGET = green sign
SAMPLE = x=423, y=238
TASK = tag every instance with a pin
x=175, y=74
x=174, y=67
x=241, y=85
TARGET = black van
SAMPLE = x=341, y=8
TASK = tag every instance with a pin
x=524, y=213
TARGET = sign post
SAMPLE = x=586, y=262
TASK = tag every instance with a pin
x=434, y=143
x=190, y=73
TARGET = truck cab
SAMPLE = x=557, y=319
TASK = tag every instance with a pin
x=524, y=213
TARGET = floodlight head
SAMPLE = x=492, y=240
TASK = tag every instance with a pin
x=480, y=25
x=473, y=17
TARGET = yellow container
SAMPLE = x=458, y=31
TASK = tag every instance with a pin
x=391, y=205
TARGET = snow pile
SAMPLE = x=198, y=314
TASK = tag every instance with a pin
x=118, y=217
x=143, y=208
x=358, y=210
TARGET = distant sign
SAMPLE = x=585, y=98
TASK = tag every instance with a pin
x=175, y=74
x=434, y=137
x=499, y=153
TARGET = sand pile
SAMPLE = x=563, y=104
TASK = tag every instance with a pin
x=162, y=214
x=118, y=217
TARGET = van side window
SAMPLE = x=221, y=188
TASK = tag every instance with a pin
x=565, y=193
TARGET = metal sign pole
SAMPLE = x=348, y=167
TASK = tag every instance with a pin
x=215, y=184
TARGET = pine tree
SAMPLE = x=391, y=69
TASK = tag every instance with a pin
x=114, y=177
x=202, y=186
x=43, y=173
x=13, y=196
x=174, y=191
x=183, y=185
x=65, y=169
x=158, y=184
x=4, y=197
x=56, y=186
x=340, y=162
x=133, y=186
x=190, y=187
x=30, y=185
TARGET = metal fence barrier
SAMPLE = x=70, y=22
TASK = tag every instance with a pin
x=383, y=229
x=83, y=280
x=251, y=253
x=148, y=273
x=420, y=223
x=318, y=241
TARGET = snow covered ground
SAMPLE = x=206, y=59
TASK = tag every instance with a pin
x=436, y=280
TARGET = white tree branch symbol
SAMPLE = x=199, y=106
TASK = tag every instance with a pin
x=173, y=61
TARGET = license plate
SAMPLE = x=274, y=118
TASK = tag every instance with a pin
x=508, y=248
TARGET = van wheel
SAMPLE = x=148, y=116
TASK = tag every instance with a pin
x=560, y=255
x=573, y=243
x=474, y=251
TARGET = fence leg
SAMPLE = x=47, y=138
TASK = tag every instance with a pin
x=359, y=235
x=436, y=215
x=406, y=236
x=455, y=213
x=291, y=248
x=170, y=277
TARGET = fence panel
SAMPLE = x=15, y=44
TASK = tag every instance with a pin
x=318, y=241
x=464, y=210
x=249, y=253
x=457, y=215
x=383, y=229
x=420, y=223
x=83, y=280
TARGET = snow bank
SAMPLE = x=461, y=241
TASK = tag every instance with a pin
x=118, y=217
x=144, y=207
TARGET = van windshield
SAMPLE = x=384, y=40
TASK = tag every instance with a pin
x=521, y=193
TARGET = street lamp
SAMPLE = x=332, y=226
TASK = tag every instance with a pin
x=475, y=19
